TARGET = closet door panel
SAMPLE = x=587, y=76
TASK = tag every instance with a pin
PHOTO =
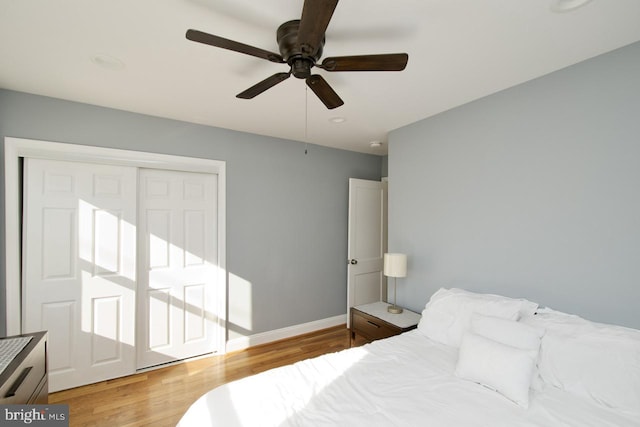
x=79, y=264
x=178, y=266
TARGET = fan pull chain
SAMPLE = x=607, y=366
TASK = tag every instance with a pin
x=306, y=118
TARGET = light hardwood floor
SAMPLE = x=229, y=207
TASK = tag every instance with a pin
x=161, y=396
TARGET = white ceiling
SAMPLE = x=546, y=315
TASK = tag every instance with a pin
x=459, y=50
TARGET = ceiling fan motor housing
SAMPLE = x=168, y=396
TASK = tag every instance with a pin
x=301, y=57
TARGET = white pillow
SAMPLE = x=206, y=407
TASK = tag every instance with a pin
x=515, y=334
x=596, y=361
x=447, y=315
x=509, y=332
x=497, y=366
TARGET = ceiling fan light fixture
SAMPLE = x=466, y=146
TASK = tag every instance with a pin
x=337, y=120
x=561, y=6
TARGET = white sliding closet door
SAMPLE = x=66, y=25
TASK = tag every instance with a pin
x=79, y=267
x=178, y=270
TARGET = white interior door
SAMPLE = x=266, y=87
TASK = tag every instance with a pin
x=367, y=242
x=79, y=267
x=178, y=266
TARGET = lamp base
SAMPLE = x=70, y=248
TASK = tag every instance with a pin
x=394, y=309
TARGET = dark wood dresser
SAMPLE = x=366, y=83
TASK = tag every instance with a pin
x=25, y=379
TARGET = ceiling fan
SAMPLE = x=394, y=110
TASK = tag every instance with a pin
x=300, y=44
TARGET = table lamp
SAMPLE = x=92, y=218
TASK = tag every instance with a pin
x=395, y=265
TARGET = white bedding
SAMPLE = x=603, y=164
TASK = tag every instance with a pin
x=406, y=380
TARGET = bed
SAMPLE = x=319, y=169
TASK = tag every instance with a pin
x=475, y=360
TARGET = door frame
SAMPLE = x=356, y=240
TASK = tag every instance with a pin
x=17, y=148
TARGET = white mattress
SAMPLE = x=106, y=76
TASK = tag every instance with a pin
x=405, y=380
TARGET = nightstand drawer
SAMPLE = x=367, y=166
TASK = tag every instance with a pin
x=372, y=327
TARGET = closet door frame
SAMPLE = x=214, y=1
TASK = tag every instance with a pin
x=17, y=148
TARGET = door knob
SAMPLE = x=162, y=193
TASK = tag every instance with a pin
x=353, y=261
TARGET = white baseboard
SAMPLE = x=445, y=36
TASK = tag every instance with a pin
x=242, y=343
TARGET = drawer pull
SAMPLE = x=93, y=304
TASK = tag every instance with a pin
x=373, y=324
x=18, y=382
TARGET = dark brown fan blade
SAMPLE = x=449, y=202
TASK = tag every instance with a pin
x=321, y=88
x=316, y=15
x=385, y=62
x=267, y=83
x=210, y=39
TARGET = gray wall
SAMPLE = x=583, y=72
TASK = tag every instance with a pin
x=531, y=192
x=286, y=211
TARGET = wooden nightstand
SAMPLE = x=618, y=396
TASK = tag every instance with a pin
x=372, y=322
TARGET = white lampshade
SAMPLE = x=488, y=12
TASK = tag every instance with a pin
x=395, y=265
